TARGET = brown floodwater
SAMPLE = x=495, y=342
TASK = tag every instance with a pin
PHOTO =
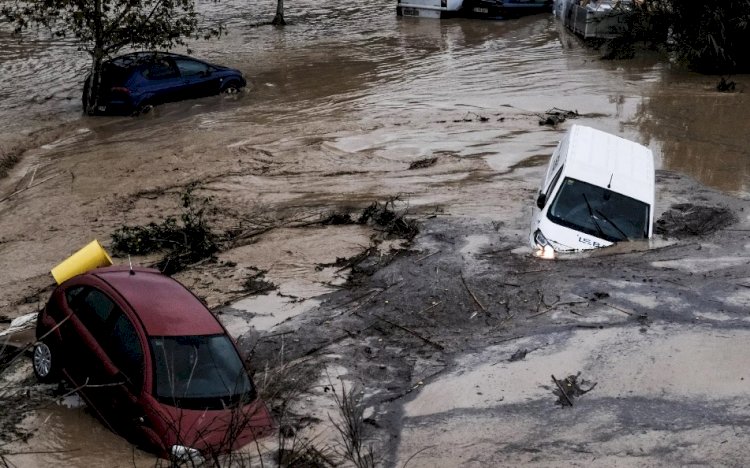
x=339, y=103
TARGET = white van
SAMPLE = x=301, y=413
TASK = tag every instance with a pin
x=598, y=190
x=428, y=8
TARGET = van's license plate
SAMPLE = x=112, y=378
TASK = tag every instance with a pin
x=481, y=10
x=410, y=12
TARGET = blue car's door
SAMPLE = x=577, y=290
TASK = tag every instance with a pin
x=162, y=83
x=198, y=77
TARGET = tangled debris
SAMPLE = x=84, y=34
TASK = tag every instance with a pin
x=569, y=388
x=185, y=241
x=687, y=219
x=519, y=355
x=258, y=285
x=555, y=116
x=385, y=218
x=423, y=163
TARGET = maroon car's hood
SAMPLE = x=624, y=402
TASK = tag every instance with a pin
x=212, y=431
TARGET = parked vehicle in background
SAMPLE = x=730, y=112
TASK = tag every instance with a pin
x=136, y=82
x=152, y=362
x=598, y=190
x=601, y=19
x=489, y=9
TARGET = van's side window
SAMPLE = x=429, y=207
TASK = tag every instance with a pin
x=554, y=182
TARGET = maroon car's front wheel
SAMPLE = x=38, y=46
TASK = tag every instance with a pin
x=44, y=363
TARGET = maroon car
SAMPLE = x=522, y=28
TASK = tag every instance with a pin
x=151, y=360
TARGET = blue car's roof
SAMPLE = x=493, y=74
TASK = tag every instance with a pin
x=134, y=59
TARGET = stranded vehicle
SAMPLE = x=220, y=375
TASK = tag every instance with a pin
x=152, y=362
x=600, y=19
x=598, y=190
x=134, y=83
x=490, y=9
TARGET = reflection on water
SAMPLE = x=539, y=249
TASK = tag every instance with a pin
x=356, y=61
x=700, y=132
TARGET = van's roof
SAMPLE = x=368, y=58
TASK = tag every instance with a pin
x=596, y=157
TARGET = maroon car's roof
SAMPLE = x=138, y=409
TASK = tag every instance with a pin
x=165, y=307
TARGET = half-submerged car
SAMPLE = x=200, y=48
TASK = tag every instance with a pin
x=151, y=361
x=134, y=83
x=598, y=190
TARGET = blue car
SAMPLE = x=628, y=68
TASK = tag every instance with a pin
x=134, y=83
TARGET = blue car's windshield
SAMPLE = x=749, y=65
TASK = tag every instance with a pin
x=600, y=212
x=199, y=372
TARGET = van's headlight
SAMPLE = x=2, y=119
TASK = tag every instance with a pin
x=182, y=455
x=544, y=249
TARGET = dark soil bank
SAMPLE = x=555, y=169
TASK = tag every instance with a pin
x=468, y=285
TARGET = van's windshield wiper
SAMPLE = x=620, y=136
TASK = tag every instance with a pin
x=593, y=218
x=612, y=224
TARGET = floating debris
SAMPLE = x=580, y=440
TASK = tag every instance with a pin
x=423, y=163
x=688, y=219
x=555, y=116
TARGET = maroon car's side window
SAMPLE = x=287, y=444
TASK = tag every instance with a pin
x=125, y=349
x=113, y=331
x=72, y=293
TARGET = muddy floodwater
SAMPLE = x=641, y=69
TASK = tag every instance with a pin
x=339, y=104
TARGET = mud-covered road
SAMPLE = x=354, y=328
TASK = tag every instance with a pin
x=341, y=102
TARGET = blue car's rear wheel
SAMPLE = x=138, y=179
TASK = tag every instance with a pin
x=144, y=108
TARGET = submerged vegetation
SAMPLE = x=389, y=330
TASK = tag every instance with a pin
x=709, y=36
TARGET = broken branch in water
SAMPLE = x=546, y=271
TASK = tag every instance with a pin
x=29, y=187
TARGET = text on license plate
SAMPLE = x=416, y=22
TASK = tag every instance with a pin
x=410, y=12
x=481, y=10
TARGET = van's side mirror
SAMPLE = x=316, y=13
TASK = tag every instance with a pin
x=541, y=200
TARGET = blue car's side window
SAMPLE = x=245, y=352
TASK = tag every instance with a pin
x=160, y=70
x=191, y=68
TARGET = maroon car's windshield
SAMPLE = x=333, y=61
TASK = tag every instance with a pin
x=199, y=372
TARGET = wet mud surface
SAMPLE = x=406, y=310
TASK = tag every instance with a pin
x=434, y=338
x=343, y=113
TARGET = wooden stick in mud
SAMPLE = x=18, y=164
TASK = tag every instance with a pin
x=558, y=303
x=412, y=332
x=562, y=390
x=427, y=256
x=617, y=308
x=472, y=294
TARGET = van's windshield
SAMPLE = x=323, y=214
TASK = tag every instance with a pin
x=599, y=211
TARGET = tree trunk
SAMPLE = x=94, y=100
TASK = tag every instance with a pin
x=91, y=88
x=278, y=20
x=93, y=83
